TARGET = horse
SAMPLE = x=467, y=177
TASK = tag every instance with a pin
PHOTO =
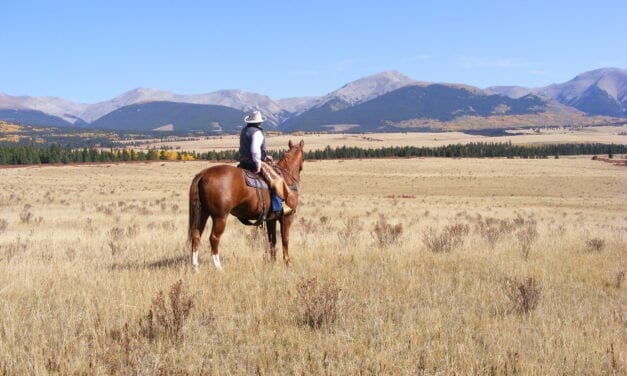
x=221, y=190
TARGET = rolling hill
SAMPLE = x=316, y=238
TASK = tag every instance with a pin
x=598, y=92
x=436, y=103
x=172, y=116
x=237, y=99
x=32, y=117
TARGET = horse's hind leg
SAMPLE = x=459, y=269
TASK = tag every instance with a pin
x=219, y=223
x=271, y=227
x=196, y=234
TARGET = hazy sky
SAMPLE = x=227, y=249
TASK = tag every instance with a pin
x=90, y=51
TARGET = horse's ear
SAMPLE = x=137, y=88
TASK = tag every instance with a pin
x=290, y=144
x=301, y=143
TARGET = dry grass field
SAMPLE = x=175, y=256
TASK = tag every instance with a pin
x=412, y=266
x=605, y=134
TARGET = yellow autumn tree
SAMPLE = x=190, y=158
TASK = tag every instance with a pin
x=186, y=157
x=170, y=155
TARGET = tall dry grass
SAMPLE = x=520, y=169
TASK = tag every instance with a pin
x=529, y=279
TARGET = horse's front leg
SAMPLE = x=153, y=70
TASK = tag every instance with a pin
x=286, y=223
x=219, y=223
x=271, y=228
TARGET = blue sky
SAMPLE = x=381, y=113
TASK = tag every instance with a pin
x=90, y=51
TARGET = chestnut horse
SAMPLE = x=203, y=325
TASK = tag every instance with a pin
x=221, y=190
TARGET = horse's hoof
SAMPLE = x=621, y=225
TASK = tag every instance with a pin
x=216, y=262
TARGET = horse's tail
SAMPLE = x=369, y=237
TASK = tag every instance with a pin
x=194, y=207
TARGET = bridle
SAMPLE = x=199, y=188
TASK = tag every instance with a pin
x=287, y=171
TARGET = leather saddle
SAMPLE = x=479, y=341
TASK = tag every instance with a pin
x=254, y=180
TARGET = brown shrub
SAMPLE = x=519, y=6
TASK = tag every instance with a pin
x=19, y=246
x=451, y=236
x=492, y=229
x=116, y=233
x=350, y=230
x=324, y=220
x=307, y=225
x=125, y=349
x=386, y=234
x=107, y=210
x=167, y=320
x=318, y=304
x=116, y=247
x=128, y=349
x=594, y=245
x=457, y=232
x=132, y=230
x=325, y=224
x=620, y=278
x=168, y=225
x=25, y=215
x=524, y=295
x=526, y=235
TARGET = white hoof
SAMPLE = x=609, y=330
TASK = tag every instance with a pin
x=216, y=262
x=195, y=259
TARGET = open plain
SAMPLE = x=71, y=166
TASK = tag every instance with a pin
x=408, y=266
x=319, y=141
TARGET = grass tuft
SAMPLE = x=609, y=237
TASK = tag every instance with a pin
x=449, y=238
x=386, y=234
x=594, y=245
x=166, y=319
x=524, y=295
x=318, y=303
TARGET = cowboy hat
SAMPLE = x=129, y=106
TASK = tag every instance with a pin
x=253, y=118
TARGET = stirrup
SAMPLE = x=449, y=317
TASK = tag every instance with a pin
x=287, y=210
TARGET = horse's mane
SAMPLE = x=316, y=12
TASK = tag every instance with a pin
x=286, y=158
x=287, y=164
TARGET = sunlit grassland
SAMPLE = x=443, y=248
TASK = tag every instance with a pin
x=319, y=141
x=469, y=266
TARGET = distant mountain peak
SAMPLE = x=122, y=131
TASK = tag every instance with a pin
x=54, y=106
x=509, y=91
x=598, y=92
x=143, y=94
x=372, y=86
x=611, y=80
x=602, y=72
x=361, y=90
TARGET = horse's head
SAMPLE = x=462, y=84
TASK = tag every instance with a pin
x=298, y=153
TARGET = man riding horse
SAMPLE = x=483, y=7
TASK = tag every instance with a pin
x=252, y=154
x=223, y=189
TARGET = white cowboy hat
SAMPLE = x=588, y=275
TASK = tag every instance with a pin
x=253, y=118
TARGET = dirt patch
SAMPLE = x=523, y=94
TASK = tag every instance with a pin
x=615, y=162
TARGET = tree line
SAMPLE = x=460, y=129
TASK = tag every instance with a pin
x=55, y=153
x=471, y=150
x=16, y=154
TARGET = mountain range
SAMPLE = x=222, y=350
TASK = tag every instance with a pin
x=388, y=101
